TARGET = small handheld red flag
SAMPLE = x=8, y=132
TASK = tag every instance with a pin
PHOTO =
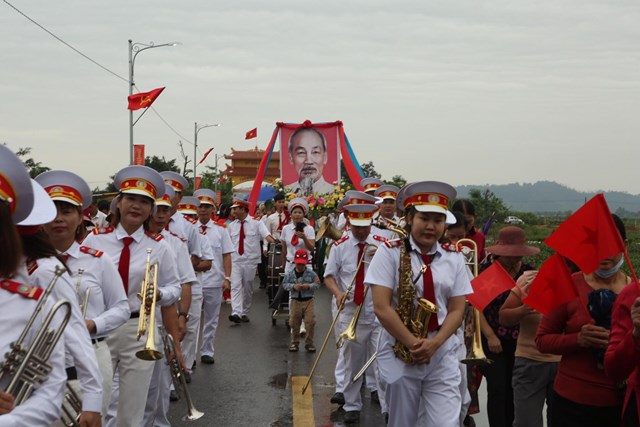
x=588, y=236
x=251, y=134
x=489, y=284
x=206, y=154
x=144, y=99
x=552, y=286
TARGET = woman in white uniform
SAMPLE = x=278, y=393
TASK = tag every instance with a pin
x=18, y=301
x=297, y=234
x=98, y=285
x=420, y=371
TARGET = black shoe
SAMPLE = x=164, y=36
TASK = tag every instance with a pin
x=351, y=417
x=468, y=421
x=374, y=397
x=207, y=360
x=187, y=377
x=338, y=398
x=234, y=318
x=386, y=417
x=244, y=319
x=173, y=396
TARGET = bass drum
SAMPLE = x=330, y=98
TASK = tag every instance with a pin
x=274, y=264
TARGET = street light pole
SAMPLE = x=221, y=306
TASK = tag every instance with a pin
x=134, y=50
x=197, y=128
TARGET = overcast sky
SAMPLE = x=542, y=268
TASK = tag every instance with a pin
x=468, y=92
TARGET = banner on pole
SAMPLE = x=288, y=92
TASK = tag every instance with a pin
x=138, y=154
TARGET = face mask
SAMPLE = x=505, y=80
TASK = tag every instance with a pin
x=605, y=274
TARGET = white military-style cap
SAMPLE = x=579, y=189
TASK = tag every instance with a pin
x=360, y=215
x=140, y=180
x=428, y=196
x=189, y=205
x=387, y=191
x=206, y=196
x=65, y=186
x=15, y=185
x=354, y=197
x=239, y=203
x=43, y=212
x=369, y=185
x=167, y=197
x=174, y=179
x=298, y=202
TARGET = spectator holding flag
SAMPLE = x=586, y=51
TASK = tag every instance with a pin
x=583, y=392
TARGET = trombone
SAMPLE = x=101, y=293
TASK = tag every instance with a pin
x=475, y=355
x=148, y=299
x=179, y=381
x=350, y=331
x=26, y=366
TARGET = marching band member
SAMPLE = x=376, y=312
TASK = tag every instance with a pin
x=388, y=194
x=277, y=220
x=297, y=234
x=218, y=278
x=127, y=245
x=179, y=224
x=370, y=185
x=41, y=262
x=190, y=314
x=161, y=386
x=425, y=372
x=245, y=233
x=92, y=271
x=347, y=265
x=18, y=301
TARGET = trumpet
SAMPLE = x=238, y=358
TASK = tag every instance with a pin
x=28, y=367
x=147, y=296
x=475, y=355
x=71, y=408
x=341, y=304
x=177, y=376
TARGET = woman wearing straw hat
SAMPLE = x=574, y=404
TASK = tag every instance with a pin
x=499, y=342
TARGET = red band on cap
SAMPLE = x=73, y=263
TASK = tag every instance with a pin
x=388, y=194
x=7, y=193
x=206, y=199
x=139, y=184
x=187, y=206
x=434, y=199
x=63, y=191
x=175, y=184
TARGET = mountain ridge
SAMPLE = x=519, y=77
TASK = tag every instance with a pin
x=549, y=197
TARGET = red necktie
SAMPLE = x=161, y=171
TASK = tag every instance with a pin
x=294, y=239
x=65, y=257
x=280, y=223
x=241, y=242
x=123, y=264
x=428, y=290
x=204, y=229
x=358, y=294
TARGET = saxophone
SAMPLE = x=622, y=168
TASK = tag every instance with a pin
x=415, y=319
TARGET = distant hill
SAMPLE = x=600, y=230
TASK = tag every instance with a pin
x=545, y=197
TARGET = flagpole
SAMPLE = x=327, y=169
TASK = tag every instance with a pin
x=197, y=128
x=134, y=123
x=134, y=50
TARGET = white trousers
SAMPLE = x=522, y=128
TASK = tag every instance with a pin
x=103, y=355
x=131, y=385
x=190, y=340
x=242, y=276
x=434, y=386
x=355, y=356
x=211, y=302
x=157, y=407
x=339, y=372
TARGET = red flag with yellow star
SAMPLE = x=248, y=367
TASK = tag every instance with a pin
x=488, y=285
x=588, y=236
x=144, y=99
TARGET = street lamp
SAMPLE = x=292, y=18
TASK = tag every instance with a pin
x=197, y=128
x=134, y=50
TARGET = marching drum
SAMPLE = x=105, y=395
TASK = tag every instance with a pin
x=278, y=298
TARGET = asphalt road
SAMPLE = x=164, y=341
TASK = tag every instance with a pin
x=250, y=382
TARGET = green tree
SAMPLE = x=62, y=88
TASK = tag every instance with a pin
x=486, y=203
x=397, y=180
x=369, y=170
x=35, y=168
x=161, y=164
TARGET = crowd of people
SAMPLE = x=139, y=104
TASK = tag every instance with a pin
x=156, y=266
